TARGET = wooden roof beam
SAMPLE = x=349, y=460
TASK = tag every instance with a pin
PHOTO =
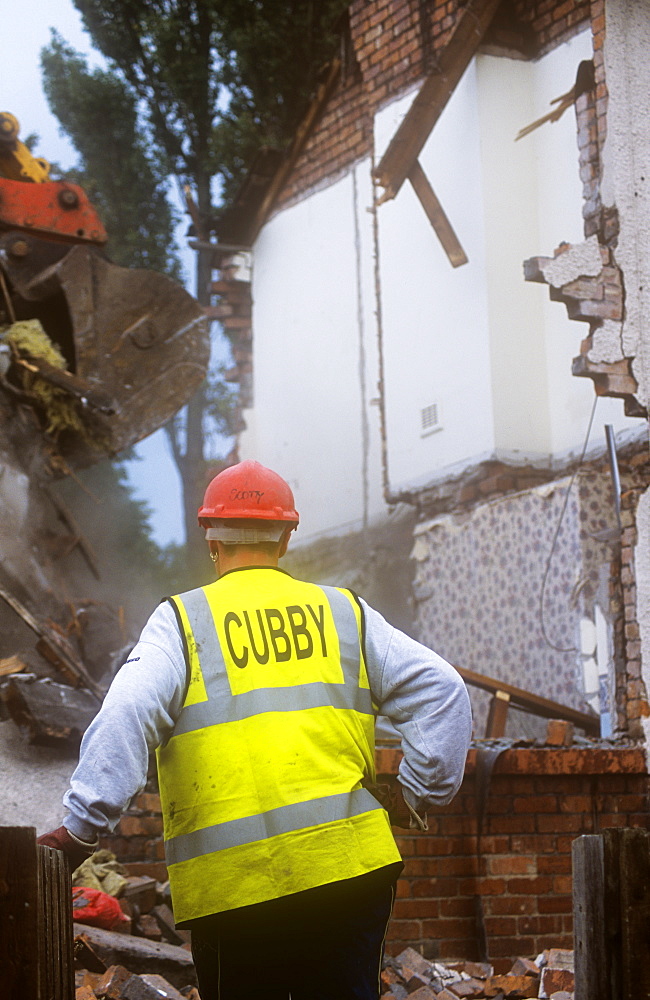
x=407, y=143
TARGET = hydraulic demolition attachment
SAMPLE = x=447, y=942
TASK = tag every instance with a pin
x=126, y=348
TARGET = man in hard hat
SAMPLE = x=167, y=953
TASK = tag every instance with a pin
x=259, y=694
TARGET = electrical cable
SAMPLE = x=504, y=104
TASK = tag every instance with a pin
x=563, y=649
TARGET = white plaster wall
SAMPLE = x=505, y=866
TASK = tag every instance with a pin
x=435, y=320
x=533, y=202
x=315, y=357
x=491, y=350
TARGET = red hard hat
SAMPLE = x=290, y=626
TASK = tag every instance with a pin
x=249, y=491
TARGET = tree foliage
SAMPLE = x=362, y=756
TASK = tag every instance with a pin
x=212, y=81
x=125, y=182
x=218, y=78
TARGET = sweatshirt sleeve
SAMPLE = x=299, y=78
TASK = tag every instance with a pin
x=426, y=700
x=137, y=715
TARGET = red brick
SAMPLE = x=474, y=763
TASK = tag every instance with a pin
x=405, y=909
x=458, y=907
x=546, y=925
x=502, y=926
x=557, y=864
x=555, y=904
x=134, y=826
x=513, y=864
x=539, y=885
x=511, y=905
x=536, y=804
x=147, y=801
x=570, y=823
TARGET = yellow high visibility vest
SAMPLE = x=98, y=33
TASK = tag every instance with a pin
x=260, y=781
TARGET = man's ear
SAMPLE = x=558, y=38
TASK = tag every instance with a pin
x=284, y=542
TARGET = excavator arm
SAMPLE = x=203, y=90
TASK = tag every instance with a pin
x=135, y=344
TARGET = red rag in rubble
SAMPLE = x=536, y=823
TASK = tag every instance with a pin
x=91, y=906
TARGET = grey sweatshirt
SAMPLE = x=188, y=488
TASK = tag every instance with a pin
x=419, y=692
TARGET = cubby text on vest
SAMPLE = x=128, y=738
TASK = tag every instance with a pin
x=275, y=633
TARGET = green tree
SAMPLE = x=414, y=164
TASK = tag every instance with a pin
x=127, y=185
x=215, y=79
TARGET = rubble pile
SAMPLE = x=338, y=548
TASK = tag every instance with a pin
x=143, y=956
x=409, y=974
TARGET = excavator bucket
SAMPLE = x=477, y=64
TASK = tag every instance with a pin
x=135, y=343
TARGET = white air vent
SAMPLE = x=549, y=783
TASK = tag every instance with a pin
x=430, y=419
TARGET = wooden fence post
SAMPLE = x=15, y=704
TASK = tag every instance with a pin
x=611, y=912
x=19, y=965
x=590, y=953
x=56, y=937
x=627, y=911
x=36, y=933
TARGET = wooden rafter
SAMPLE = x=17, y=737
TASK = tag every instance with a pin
x=436, y=216
x=407, y=143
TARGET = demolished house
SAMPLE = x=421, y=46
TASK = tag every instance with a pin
x=436, y=301
x=401, y=362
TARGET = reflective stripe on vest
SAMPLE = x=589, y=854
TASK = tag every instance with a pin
x=261, y=779
x=220, y=706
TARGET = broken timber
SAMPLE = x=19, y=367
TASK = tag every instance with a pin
x=54, y=648
x=504, y=695
x=36, y=949
x=407, y=143
x=437, y=216
x=611, y=902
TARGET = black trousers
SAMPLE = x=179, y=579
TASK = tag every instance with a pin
x=321, y=944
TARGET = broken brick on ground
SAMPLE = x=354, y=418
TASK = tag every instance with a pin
x=550, y=976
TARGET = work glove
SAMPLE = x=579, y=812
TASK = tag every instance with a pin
x=392, y=799
x=75, y=850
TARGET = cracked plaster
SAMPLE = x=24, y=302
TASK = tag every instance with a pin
x=606, y=343
x=577, y=261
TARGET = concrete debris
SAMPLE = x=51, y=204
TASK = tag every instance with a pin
x=152, y=960
x=409, y=974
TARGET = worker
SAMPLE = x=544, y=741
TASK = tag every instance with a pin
x=259, y=694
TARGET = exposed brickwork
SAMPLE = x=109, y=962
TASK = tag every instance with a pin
x=234, y=312
x=614, y=376
x=552, y=23
x=595, y=300
x=394, y=45
x=138, y=835
x=539, y=801
x=631, y=694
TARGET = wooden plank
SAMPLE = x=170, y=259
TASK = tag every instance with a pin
x=497, y=715
x=19, y=948
x=11, y=665
x=406, y=145
x=633, y=870
x=591, y=955
x=436, y=215
x=54, y=647
x=533, y=703
x=56, y=940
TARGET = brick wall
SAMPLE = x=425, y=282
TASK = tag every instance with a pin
x=392, y=45
x=539, y=800
x=631, y=695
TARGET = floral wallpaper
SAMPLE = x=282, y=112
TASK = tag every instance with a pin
x=478, y=589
